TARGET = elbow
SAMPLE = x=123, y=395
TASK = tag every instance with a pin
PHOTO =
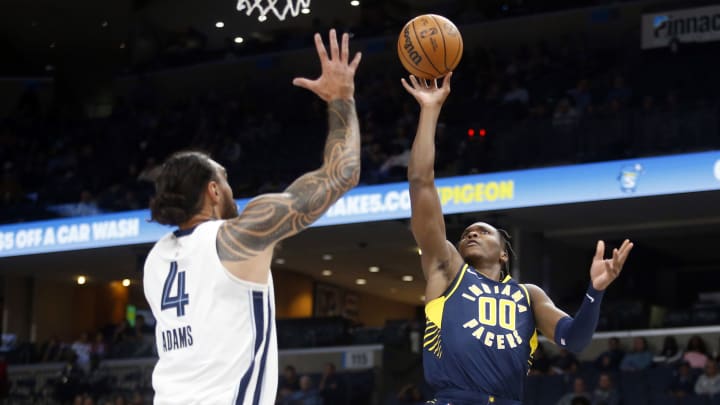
x=421, y=179
x=348, y=176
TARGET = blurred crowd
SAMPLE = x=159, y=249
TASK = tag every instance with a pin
x=536, y=105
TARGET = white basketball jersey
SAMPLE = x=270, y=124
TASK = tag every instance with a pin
x=215, y=333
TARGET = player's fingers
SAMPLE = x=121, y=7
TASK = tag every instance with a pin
x=304, y=83
x=345, y=48
x=599, y=250
x=414, y=81
x=322, y=53
x=625, y=251
x=623, y=254
x=435, y=83
x=334, y=49
x=446, y=80
x=356, y=61
x=406, y=85
x=426, y=82
x=608, y=266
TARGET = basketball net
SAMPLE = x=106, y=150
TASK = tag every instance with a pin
x=264, y=7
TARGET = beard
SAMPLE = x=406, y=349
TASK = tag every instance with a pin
x=229, y=209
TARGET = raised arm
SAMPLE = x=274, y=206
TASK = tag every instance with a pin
x=440, y=260
x=575, y=333
x=270, y=218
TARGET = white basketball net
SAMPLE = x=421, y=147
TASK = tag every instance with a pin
x=264, y=7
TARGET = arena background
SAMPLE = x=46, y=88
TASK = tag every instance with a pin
x=539, y=137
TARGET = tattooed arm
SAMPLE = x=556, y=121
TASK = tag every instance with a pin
x=270, y=218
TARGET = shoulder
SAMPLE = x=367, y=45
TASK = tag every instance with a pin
x=536, y=293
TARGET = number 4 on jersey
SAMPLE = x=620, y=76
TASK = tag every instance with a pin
x=175, y=301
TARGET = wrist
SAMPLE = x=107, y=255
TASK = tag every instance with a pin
x=595, y=292
x=350, y=99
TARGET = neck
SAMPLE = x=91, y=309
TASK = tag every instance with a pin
x=492, y=272
x=197, y=219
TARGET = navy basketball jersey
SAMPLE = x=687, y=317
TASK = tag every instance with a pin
x=479, y=338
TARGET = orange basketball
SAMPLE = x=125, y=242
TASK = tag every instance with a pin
x=430, y=46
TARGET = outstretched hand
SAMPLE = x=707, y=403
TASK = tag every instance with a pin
x=427, y=92
x=337, y=78
x=605, y=271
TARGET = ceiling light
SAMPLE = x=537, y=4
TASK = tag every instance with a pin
x=239, y=40
x=305, y=10
x=262, y=18
x=52, y=44
x=219, y=24
x=354, y=3
x=361, y=281
x=279, y=260
x=422, y=298
x=104, y=24
x=407, y=277
x=327, y=273
x=49, y=68
x=374, y=269
x=327, y=257
x=81, y=280
x=122, y=45
x=419, y=252
x=126, y=282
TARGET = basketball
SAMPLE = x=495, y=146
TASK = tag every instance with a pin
x=430, y=46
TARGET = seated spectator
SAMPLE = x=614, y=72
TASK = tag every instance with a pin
x=82, y=347
x=579, y=391
x=307, y=395
x=540, y=362
x=670, y=353
x=619, y=92
x=288, y=383
x=605, y=393
x=709, y=383
x=581, y=96
x=565, y=117
x=332, y=388
x=51, y=350
x=639, y=359
x=683, y=383
x=409, y=394
x=610, y=359
x=98, y=349
x=696, y=352
x=565, y=363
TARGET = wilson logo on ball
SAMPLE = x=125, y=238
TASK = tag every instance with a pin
x=410, y=48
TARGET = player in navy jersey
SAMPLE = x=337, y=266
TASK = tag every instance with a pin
x=481, y=324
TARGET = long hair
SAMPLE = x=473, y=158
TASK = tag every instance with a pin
x=505, y=239
x=179, y=187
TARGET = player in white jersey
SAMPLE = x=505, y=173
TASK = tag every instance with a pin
x=209, y=284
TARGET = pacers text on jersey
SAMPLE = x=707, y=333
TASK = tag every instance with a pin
x=178, y=338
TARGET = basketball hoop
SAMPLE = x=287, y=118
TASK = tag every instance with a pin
x=264, y=7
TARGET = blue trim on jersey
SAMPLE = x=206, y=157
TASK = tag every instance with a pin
x=257, y=301
x=263, y=360
x=184, y=232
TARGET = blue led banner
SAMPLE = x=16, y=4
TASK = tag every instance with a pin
x=503, y=190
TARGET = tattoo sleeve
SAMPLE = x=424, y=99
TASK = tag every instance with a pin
x=272, y=217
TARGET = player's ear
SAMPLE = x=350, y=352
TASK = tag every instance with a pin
x=503, y=257
x=213, y=191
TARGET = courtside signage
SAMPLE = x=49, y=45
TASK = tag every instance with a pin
x=495, y=191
